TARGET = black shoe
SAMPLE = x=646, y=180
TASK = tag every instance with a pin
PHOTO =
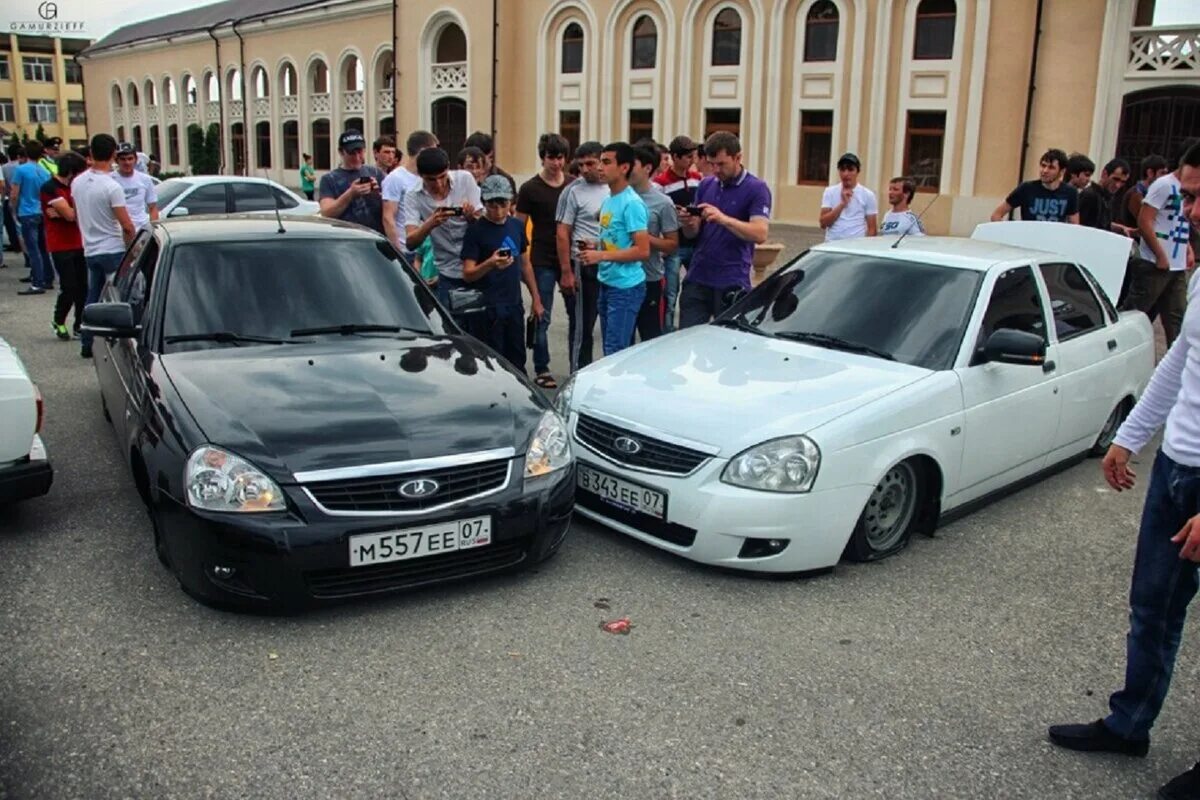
x=85, y=351
x=1182, y=787
x=49, y=287
x=32, y=290
x=27, y=279
x=1096, y=737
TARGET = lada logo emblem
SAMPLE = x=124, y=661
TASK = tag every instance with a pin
x=629, y=447
x=419, y=488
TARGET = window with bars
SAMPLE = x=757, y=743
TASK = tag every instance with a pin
x=727, y=39
x=934, y=34
x=43, y=111
x=76, y=112
x=641, y=124
x=821, y=32
x=39, y=69
x=816, y=147
x=644, y=52
x=924, y=141
x=568, y=127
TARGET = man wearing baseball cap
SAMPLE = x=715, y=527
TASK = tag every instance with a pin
x=848, y=210
x=351, y=192
x=141, y=196
x=679, y=181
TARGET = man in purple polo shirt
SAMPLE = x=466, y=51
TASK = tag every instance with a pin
x=733, y=213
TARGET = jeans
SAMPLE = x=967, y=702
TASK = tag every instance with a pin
x=650, y=316
x=100, y=268
x=618, y=310
x=506, y=333
x=581, y=316
x=547, y=280
x=671, y=266
x=72, y=285
x=1162, y=586
x=41, y=270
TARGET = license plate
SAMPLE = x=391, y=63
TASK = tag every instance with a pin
x=622, y=493
x=429, y=540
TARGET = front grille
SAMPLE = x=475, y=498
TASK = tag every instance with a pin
x=656, y=455
x=659, y=529
x=350, y=581
x=381, y=494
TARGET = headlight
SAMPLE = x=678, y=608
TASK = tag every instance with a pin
x=550, y=449
x=220, y=481
x=562, y=401
x=781, y=465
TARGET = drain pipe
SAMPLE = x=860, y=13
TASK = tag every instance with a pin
x=396, y=82
x=82, y=88
x=221, y=104
x=495, y=63
x=245, y=102
x=1037, y=37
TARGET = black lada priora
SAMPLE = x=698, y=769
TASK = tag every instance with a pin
x=305, y=422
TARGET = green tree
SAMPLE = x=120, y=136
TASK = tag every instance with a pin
x=14, y=140
x=40, y=134
x=195, y=147
x=212, y=148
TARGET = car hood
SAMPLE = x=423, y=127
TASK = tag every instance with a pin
x=296, y=408
x=729, y=389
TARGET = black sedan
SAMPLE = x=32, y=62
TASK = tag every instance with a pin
x=305, y=422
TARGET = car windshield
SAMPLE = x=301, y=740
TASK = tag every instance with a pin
x=169, y=190
x=268, y=289
x=911, y=312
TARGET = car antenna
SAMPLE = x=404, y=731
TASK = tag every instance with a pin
x=917, y=222
x=275, y=200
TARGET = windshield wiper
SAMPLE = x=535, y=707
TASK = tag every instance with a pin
x=350, y=329
x=227, y=337
x=737, y=323
x=834, y=342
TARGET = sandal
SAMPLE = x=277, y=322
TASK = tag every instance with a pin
x=546, y=381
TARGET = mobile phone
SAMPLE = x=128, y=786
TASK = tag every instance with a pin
x=455, y=210
x=695, y=211
x=504, y=252
x=363, y=179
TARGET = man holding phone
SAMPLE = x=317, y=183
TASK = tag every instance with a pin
x=351, y=192
x=440, y=209
x=494, y=261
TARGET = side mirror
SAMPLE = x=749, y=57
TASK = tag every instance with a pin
x=110, y=320
x=1008, y=346
x=179, y=211
x=466, y=301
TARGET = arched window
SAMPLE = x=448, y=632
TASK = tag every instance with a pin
x=821, y=32
x=212, y=88
x=137, y=139
x=934, y=34
x=170, y=96
x=237, y=137
x=116, y=97
x=387, y=72
x=262, y=144
x=451, y=45
x=450, y=123
x=234, y=83
x=261, y=83
x=727, y=39
x=318, y=81
x=353, y=79
x=572, y=49
x=291, y=144
x=644, y=47
x=149, y=93
x=132, y=93
x=321, y=143
x=153, y=148
x=189, y=90
x=173, y=144
x=288, y=85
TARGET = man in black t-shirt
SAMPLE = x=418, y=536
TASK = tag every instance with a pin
x=351, y=192
x=1095, y=201
x=537, y=201
x=1047, y=199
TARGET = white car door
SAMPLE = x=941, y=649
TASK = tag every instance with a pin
x=1088, y=370
x=1010, y=410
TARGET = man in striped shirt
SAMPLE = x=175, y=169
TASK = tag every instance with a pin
x=679, y=181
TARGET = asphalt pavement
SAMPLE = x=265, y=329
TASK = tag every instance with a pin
x=929, y=675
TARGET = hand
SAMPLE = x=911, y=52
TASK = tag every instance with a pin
x=1162, y=262
x=590, y=257
x=360, y=189
x=1126, y=230
x=470, y=212
x=1189, y=537
x=1116, y=468
x=566, y=283
x=500, y=262
x=847, y=196
x=710, y=213
x=439, y=217
x=539, y=310
x=52, y=214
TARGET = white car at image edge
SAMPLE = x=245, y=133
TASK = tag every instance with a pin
x=25, y=470
x=861, y=393
x=229, y=194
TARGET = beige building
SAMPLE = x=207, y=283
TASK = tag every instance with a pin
x=41, y=83
x=938, y=89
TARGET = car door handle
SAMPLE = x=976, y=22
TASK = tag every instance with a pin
x=1048, y=367
x=1112, y=344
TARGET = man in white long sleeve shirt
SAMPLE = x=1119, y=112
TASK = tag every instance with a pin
x=1165, y=573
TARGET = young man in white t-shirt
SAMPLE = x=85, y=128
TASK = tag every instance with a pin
x=1159, y=279
x=900, y=220
x=849, y=210
x=103, y=221
x=399, y=182
x=141, y=198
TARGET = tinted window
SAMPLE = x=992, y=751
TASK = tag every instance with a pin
x=285, y=199
x=1016, y=304
x=169, y=190
x=125, y=269
x=207, y=199
x=915, y=312
x=270, y=288
x=134, y=288
x=1075, y=307
x=252, y=197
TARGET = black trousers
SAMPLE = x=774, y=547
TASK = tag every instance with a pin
x=700, y=304
x=581, y=315
x=72, y=271
x=650, y=318
x=506, y=333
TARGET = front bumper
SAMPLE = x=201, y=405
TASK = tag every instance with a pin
x=28, y=478
x=302, y=556
x=710, y=522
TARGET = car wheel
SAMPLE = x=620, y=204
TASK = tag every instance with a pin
x=1109, y=431
x=888, y=519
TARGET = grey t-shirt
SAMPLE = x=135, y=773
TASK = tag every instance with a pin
x=366, y=210
x=7, y=171
x=579, y=206
x=447, y=238
x=660, y=219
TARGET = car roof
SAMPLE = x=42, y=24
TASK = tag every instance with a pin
x=199, y=179
x=257, y=227
x=949, y=251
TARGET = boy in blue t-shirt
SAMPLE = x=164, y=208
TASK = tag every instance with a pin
x=624, y=245
x=492, y=247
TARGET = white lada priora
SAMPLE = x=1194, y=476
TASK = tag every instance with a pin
x=862, y=393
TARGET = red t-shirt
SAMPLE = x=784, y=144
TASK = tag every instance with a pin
x=61, y=235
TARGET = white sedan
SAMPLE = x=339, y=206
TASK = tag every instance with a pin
x=229, y=194
x=862, y=393
x=25, y=470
